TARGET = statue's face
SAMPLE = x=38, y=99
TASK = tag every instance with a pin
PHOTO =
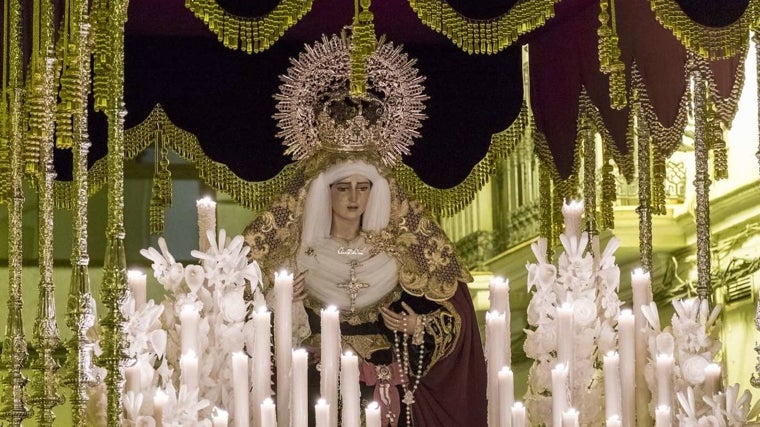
x=349, y=196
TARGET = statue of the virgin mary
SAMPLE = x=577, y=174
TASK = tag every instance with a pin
x=356, y=241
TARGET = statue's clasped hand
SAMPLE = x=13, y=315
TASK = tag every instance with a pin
x=405, y=321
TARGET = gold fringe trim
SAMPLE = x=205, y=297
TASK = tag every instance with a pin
x=253, y=195
x=708, y=42
x=484, y=36
x=447, y=202
x=251, y=35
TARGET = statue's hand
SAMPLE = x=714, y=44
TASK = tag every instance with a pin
x=299, y=287
x=405, y=321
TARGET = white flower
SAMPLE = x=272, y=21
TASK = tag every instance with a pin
x=166, y=270
x=542, y=276
x=693, y=369
x=584, y=312
x=665, y=343
x=539, y=343
x=132, y=403
x=233, y=306
x=227, y=264
x=194, y=277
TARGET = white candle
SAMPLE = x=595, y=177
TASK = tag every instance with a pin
x=506, y=396
x=626, y=322
x=499, y=294
x=565, y=334
x=160, y=399
x=330, y=360
x=641, y=287
x=612, y=402
x=664, y=371
x=262, y=360
x=559, y=393
x=712, y=379
x=268, y=417
x=219, y=417
x=206, y=221
x=570, y=418
x=189, y=318
x=662, y=416
x=322, y=413
x=136, y=281
x=283, y=343
x=496, y=337
x=518, y=415
x=573, y=212
x=349, y=390
x=372, y=414
x=614, y=421
x=190, y=375
x=300, y=388
x=240, y=388
x=132, y=378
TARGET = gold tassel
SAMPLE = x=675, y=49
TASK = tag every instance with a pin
x=362, y=46
x=609, y=54
x=161, y=198
x=716, y=141
x=659, y=174
x=609, y=192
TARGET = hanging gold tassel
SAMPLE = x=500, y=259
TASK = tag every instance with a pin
x=609, y=54
x=609, y=192
x=659, y=174
x=716, y=140
x=161, y=198
x=362, y=46
x=589, y=178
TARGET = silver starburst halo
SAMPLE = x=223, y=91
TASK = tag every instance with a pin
x=315, y=111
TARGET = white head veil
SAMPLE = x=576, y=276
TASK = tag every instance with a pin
x=317, y=217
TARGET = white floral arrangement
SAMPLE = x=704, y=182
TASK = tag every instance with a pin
x=692, y=340
x=215, y=291
x=588, y=280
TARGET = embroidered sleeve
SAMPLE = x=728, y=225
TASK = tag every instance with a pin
x=442, y=329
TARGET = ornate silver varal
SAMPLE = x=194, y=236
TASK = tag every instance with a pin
x=12, y=394
x=702, y=188
x=645, y=195
x=81, y=305
x=44, y=394
x=755, y=380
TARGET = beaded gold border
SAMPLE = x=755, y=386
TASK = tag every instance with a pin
x=708, y=42
x=251, y=35
x=484, y=36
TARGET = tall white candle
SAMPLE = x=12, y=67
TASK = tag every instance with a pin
x=349, y=390
x=712, y=379
x=190, y=375
x=565, y=334
x=283, y=343
x=322, y=413
x=136, y=281
x=206, y=221
x=560, y=401
x=330, y=360
x=641, y=286
x=570, y=418
x=372, y=415
x=612, y=402
x=219, y=417
x=300, y=388
x=189, y=319
x=662, y=416
x=626, y=322
x=160, y=400
x=614, y=421
x=518, y=415
x=496, y=337
x=499, y=294
x=506, y=396
x=262, y=360
x=572, y=212
x=268, y=417
x=664, y=369
x=240, y=388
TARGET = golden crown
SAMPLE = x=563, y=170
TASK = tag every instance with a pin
x=316, y=112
